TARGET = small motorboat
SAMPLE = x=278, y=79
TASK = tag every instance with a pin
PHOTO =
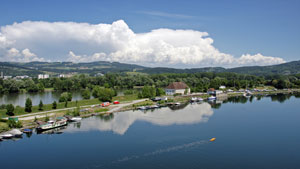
x=199, y=99
x=155, y=106
x=248, y=94
x=16, y=133
x=142, y=108
x=212, y=98
x=27, y=131
x=194, y=99
x=7, y=136
x=76, y=119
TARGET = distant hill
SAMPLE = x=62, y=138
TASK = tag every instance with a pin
x=92, y=68
x=282, y=69
x=35, y=68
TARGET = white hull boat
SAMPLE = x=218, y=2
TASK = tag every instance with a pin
x=59, y=122
x=7, y=136
x=16, y=133
x=76, y=119
x=212, y=98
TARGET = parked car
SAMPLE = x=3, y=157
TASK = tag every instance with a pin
x=105, y=104
x=116, y=102
x=155, y=99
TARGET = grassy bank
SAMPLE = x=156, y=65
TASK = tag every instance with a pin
x=47, y=107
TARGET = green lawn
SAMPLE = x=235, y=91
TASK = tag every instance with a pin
x=3, y=127
x=126, y=98
x=20, y=110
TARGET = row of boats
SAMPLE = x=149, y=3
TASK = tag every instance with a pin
x=51, y=124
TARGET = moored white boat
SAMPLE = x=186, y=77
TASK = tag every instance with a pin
x=194, y=99
x=76, y=119
x=16, y=132
x=142, y=108
x=6, y=136
x=199, y=99
x=212, y=98
x=58, y=122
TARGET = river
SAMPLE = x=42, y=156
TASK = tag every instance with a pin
x=257, y=132
x=47, y=97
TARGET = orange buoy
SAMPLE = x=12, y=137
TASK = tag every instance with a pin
x=212, y=139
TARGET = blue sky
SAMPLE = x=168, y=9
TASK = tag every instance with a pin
x=269, y=27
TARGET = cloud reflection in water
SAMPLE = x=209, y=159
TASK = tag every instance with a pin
x=121, y=121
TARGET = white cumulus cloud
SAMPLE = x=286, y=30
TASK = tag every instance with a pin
x=83, y=42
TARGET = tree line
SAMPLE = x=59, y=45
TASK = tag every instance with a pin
x=198, y=82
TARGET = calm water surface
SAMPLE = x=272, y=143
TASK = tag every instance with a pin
x=250, y=133
x=48, y=97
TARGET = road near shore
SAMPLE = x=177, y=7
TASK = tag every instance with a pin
x=43, y=114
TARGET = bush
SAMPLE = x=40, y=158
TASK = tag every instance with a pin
x=47, y=118
x=54, y=105
x=13, y=124
x=41, y=105
x=10, y=110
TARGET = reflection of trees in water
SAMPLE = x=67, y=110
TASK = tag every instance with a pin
x=275, y=97
x=215, y=105
x=28, y=134
x=280, y=97
x=297, y=94
x=178, y=107
x=237, y=99
x=106, y=117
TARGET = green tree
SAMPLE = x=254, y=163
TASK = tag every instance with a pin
x=105, y=94
x=160, y=91
x=13, y=124
x=66, y=103
x=28, y=105
x=96, y=91
x=65, y=96
x=10, y=110
x=54, y=105
x=41, y=87
x=86, y=94
x=41, y=105
x=148, y=92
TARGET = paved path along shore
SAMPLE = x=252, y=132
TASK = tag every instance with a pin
x=114, y=108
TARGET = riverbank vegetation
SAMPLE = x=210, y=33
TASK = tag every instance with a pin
x=199, y=82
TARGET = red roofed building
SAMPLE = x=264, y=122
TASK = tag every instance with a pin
x=177, y=87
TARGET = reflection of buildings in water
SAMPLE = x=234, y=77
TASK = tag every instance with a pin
x=121, y=121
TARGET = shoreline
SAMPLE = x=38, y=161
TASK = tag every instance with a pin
x=28, y=119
